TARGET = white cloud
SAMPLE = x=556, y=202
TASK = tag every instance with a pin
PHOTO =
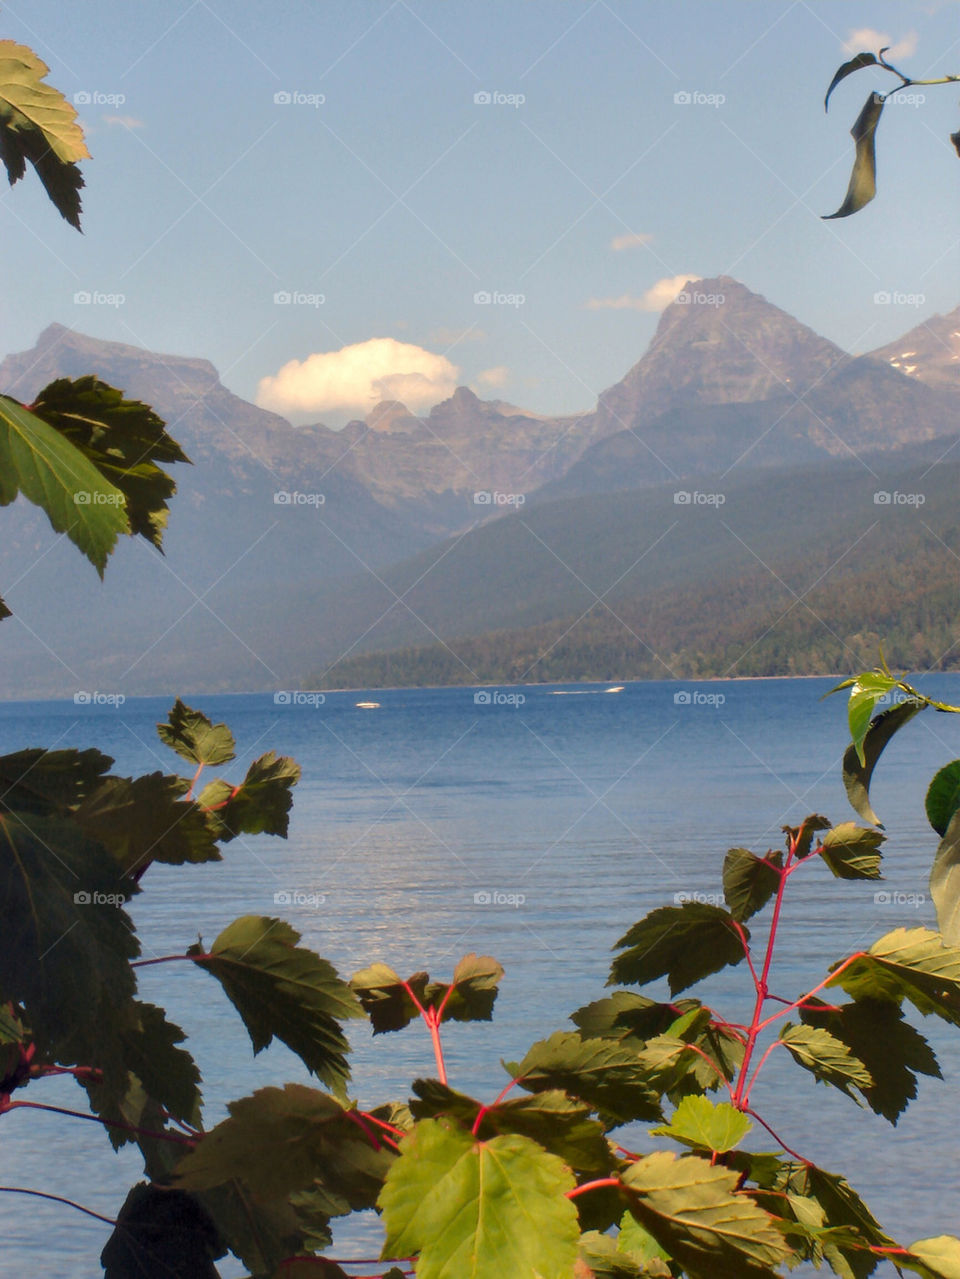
x=124, y=121
x=631, y=240
x=357, y=376
x=657, y=298
x=869, y=40
x=495, y=377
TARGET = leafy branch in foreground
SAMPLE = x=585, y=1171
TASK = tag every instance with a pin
x=863, y=179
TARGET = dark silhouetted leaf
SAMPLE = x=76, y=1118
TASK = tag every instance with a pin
x=943, y=796
x=682, y=943
x=851, y=851
x=863, y=179
x=195, y=737
x=749, y=881
x=261, y=804
x=49, y=782
x=384, y=997
x=162, y=1232
x=282, y=989
x=598, y=1071
x=124, y=439
x=626, y=1012
x=145, y=819
x=38, y=124
x=855, y=64
x=858, y=765
x=392, y=1003
x=484, y=1209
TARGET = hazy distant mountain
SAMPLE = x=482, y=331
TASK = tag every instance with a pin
x=930, y=353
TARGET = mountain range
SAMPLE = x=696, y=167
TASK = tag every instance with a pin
x=740, y=450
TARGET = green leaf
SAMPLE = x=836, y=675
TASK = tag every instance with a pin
x=473, y=993
x=683, y=943
x=49, y=471
x=801, y=837
x=281, y=1140
x=124, y=439
x=851, y=851
x=675, y=1066
x=479, y=1210
x=261, y=804
x=195, y=737
x=892, y=1051
x=693, y=1210
x=626, y=1012
x=828, y=1059
x=38, y=124
x=943, y=796
x=749, y=881
x=162, y=1232
x=600, y=1258
x=697, y=1122
x=49, y=782
x=867, y=689
x=263, y=1233
x=598, y=1071
x=907, y=964
x=384, y=997
x=558, y=1122
x=4, y=611
x=859, y=762
x=938, y=1258
x=842, y=1207
x=67, y=942
x=282, y=989
x=390, y=1004
x=638, y=1241
x=145, y=819
x=863, y=179
x=945, y=883
x=855, y=64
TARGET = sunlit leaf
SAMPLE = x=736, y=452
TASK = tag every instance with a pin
x=859, y=763
x=598, y=1071
x=682, y=943
x=908, y=964
x=863, y=179
x=828, y=1059
x=851, y=851
x=699, y=1123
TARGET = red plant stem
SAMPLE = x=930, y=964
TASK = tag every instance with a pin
x=193, y=780
x=382, y=1123
x=431, y=1017
x=770, y=1047
x=746, y=950
x=166, y=959
x=355, y=1118
x=592, y=1185
x=107, y=1123
x=782, y=1144
x=42, y=1194
x=710, y=1062
x=79, y=1072
x=798, y=1003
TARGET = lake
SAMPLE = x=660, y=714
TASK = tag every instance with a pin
x=536, y=827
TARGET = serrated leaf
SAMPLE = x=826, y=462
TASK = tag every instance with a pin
x=693, y=1210
x=859, y=763
x=162, y=1232
x=283, y=990
x=38, y=124
x=907, y=964
x=801, y=837
x=697, y=1122
x=749, y=881
x=842, y=1207
x=600, y=1258
x=828, y=1059
x=558, y=1122
x=391, y=1003
x=638, y=1241
x=67, y=942
x=675, y=1066
x=264, y=1233
x=851, y=851
x=598, y=1071
x=479, y=1210
x=863, y=179
x=146, y=819
x=856, y=63
x=49, y=471
x=49, y=782
x=937, y=1258
x=626, y=1012
x=943, y=796
x=945, y=883
x=682, y=943
x=124, y=439
x=474, y=990
x=281, y=1140
x=195, y=737
x=261, y=804
x=384, y=997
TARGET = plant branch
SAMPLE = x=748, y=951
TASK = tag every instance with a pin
x=42, y=1194
x=107, y=1123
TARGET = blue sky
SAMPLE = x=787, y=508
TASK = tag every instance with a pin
x=383, y=187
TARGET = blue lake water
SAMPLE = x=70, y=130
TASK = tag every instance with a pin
x=537, y=833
